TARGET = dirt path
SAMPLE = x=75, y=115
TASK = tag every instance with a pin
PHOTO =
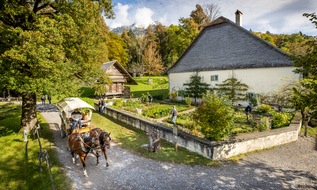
x=292, y=166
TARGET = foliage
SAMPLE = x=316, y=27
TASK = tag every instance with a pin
x=281, y=119
x=282, y=98
x=215, y=117
x=233, y=89
x=173, y=95
x=290, y=43
x=195, y=87
x=188, y=101
x=118, y=103
x=144, y=98
x=158, y=111
x=100, y=87
x=263, y=124
x=264, y=109
x=51, y=47
x=117, y=49
x=304, y=97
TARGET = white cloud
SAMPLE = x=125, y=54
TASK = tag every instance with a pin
x=143, y=17
x=121, y=18
x=260, y=15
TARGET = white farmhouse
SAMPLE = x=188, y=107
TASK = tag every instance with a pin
x=224, y=48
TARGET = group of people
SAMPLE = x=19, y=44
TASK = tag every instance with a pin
x=101, y=105
x=77, y=118
x=43, y=98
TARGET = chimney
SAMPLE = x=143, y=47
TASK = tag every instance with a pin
x=239, y=17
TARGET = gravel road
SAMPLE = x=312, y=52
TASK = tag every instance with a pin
x=291, y=166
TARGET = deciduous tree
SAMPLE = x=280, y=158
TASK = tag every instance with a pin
x=50, y=46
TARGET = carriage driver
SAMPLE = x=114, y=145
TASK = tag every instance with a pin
x=76, y=118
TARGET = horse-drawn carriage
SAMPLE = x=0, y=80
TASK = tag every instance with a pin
x=83, y=138
x=68, y=106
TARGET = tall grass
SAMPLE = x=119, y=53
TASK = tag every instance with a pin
x=19, y=165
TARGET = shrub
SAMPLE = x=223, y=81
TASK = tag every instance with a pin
x=188, y=101
x=215, y=117
x=263, y=124
x=281, y=119
x=264, y=109
x=118, y=103
x=173, y=95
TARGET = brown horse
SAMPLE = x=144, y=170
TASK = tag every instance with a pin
x=104, y=140
x=82, y=146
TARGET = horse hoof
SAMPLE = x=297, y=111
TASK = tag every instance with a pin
x=107, y=165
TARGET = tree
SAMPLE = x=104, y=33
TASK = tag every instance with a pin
x=199, y=16
x=212, y=11
x=305, y=96
x=196, y=88
x=215, y=117
x=117, y=49
x=51, y=46
x=151, y=58
x=233, y=89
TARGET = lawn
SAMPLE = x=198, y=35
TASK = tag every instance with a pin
x=19, y=168
x=157, y=86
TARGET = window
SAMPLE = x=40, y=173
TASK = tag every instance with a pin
x=214, y=77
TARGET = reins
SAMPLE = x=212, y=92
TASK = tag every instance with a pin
x=85, y=144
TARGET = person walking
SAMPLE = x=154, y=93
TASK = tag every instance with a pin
x=248, y=110
x=174, y=115
x=100, y=104
x=49, y=99
x=43, y=99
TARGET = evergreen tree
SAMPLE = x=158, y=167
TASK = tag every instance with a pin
x=196, y=88
x=233, y=89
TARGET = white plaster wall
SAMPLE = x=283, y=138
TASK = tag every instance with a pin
x=259, y=80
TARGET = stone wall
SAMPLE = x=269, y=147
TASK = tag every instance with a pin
x=213, y=150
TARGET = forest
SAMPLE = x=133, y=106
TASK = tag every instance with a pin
x=153, y=50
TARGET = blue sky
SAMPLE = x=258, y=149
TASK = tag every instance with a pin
x=276, y=16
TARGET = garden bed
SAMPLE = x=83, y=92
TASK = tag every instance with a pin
x=262, y=119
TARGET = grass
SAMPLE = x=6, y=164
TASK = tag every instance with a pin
x=132, y=139
x=159, y=86
x=19, y=168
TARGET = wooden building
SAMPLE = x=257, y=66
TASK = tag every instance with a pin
x=119, y=76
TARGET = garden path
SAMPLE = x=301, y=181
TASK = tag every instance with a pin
x=160, y=120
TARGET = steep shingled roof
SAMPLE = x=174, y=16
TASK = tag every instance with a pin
x=106, y=66
x=223, y=45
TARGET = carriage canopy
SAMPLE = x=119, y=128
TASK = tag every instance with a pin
x=69, y=104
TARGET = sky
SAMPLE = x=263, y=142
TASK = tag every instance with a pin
x=275, y=16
